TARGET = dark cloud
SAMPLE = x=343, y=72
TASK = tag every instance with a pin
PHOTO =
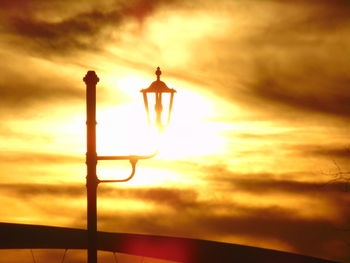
x=330, y=151
x=59, y=29
x=292, y=65
x=174, y=198
x=73, y=34
x=308, y=72
x=303, y=235
x=35, y=158
x=306, y=88
x=188, y=200
x=22, y=87
x=265, y=187
x=191, y=216
x=10, y=6
x=89, y=27
x=267, y=183
x=29, y=190
x=322, y=14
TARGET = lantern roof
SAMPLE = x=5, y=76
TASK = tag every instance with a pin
x=158, y=85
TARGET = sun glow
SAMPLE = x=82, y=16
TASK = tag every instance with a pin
x=124, y=130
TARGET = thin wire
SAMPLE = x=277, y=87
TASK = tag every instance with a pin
x=115, y=257
x=31, y=251
x=64, y=255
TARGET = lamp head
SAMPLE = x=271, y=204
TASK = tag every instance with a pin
x=158, y=87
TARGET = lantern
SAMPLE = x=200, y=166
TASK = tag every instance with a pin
x=158, y=87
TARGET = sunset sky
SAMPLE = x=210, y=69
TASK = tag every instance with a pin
x=260, y=129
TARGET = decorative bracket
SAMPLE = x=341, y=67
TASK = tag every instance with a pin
x=133, y=159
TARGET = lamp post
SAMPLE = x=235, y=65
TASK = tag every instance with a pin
x=158, y=87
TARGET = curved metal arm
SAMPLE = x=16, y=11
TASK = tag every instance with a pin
x=133, y=165
x=128, y=157
x=133, y=161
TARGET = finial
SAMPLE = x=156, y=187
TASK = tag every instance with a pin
x=91, y=78
x=158, y=73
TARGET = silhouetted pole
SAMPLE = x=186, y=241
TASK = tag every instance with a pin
x=91, y=80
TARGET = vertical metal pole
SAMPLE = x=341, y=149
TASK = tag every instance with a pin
x=91, y=80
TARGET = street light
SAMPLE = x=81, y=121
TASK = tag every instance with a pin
x=158, y=87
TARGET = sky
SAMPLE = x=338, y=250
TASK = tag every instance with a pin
x=257, y=151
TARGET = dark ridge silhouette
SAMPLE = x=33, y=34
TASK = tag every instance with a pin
x=169, y=248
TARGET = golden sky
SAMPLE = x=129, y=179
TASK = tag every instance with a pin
x=260, y=125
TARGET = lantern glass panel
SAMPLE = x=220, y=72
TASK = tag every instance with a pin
x=165, y=103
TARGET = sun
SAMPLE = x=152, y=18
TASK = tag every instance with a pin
x=124, y=128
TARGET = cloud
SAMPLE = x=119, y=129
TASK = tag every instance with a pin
x=50, y=39
x=174, y=198
x=29, y=190
x=308, y=89
x=290, y=64
x=12, y=133
x=26, y=81
x=192, y=216
x=331, y=152
x=303, y=235
x=62, y=28
x=38, y=158
x=169, y=197
x=308, y=72
x=73, y=34
x=257, y=225
x=267, y=183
